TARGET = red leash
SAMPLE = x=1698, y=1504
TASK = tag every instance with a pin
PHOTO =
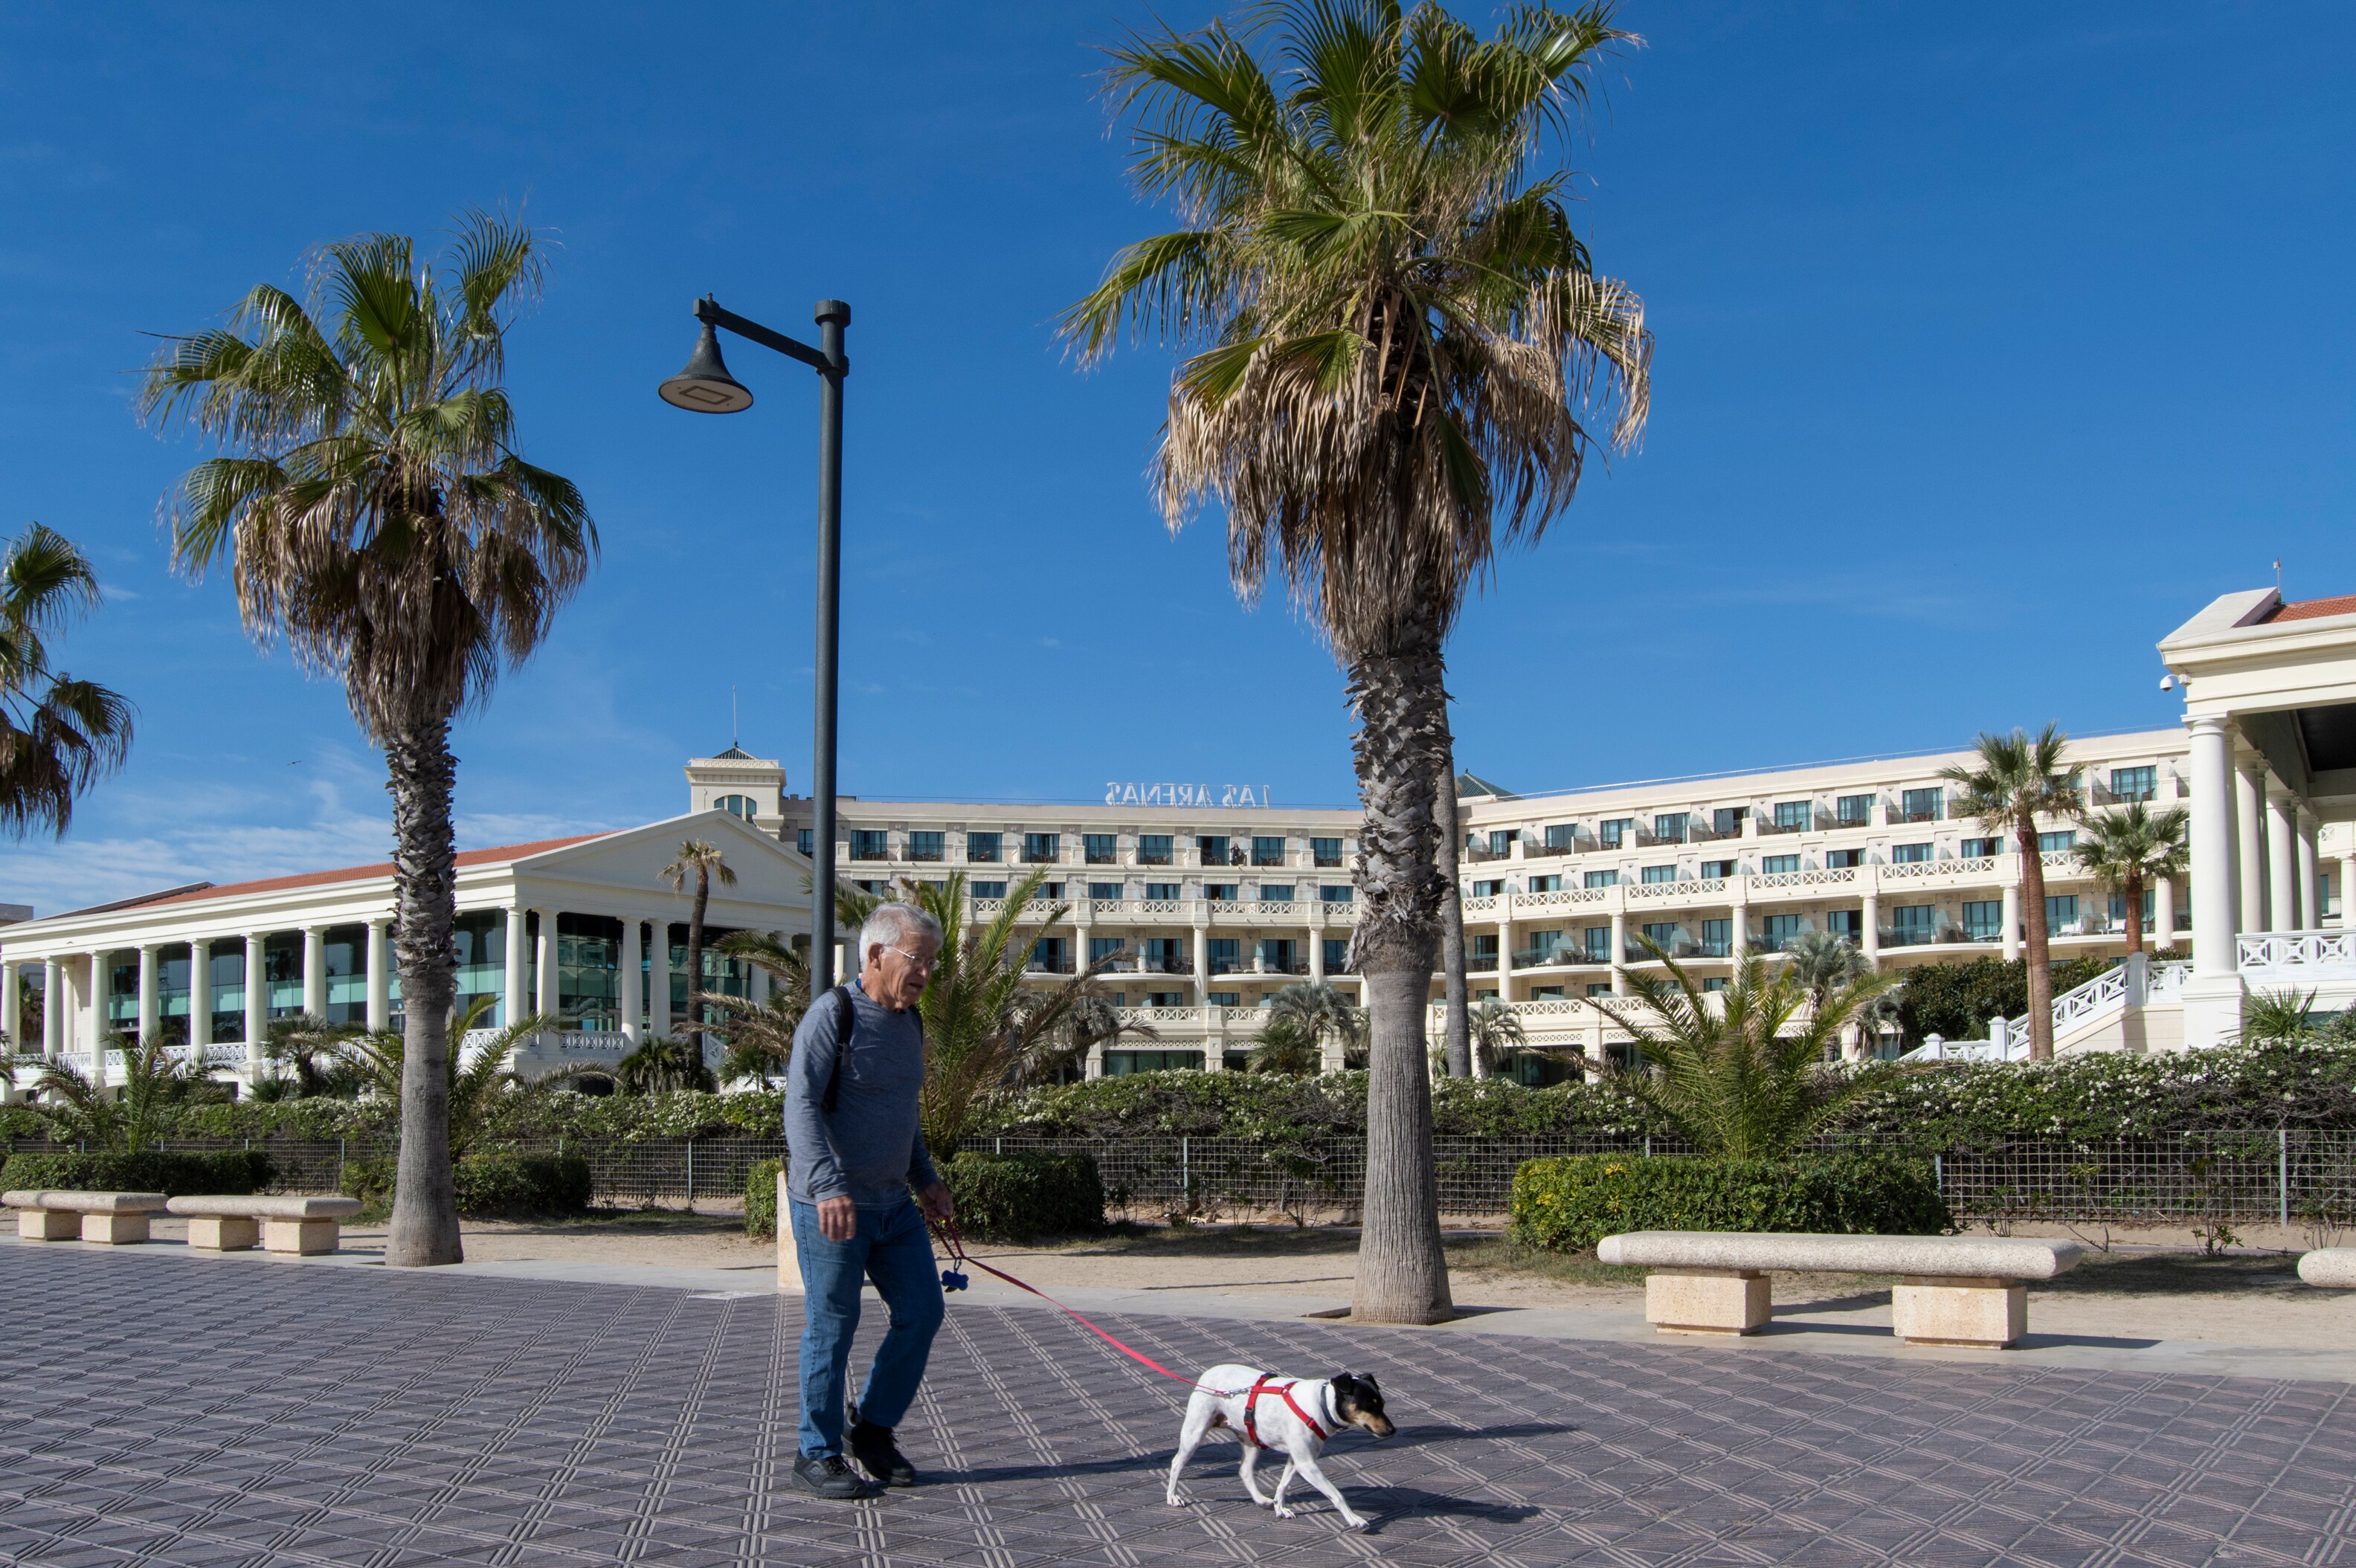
x=949, y=1238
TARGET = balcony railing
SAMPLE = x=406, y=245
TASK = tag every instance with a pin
x=1150, y=857
x=1480, y=963
x=1037, y=964
x=1326, y=862
x=1898, y=814
x=1539, y=957
x=1769, y=827
x=1040, y=857
x=926, y=854
x=1168, y=963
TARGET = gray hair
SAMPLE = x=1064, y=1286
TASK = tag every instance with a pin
x=892, y=925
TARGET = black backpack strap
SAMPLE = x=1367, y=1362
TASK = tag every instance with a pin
x=846, y=1018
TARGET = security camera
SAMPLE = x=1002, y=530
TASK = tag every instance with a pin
x=2167, y=683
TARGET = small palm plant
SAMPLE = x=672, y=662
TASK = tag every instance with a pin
x=1742, y=1071
x=312, y=1048
x=1285, y=1045
x=379, y=1060
x=1093, y=1021
x=2020, y=778
x=760, y=1034
x=1495, y=1030
x=2276, y=1018
x=664, y=1064
x=2131, y=847
x=1323, y=1012
x=703, y=861
x=127, y=1119
x=58, y=735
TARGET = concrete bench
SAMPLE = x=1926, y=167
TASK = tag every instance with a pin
x=1952, y=1290
x=300, y=1226
x=2333, y=1268
x=53, y=1214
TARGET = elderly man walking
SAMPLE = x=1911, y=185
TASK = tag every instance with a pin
x=855, y=1157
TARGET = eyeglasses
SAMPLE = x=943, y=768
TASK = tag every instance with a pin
x=919, y=962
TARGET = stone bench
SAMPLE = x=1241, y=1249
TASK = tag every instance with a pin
x=2333, y=1268
x=300, y=1226
x=1952, y=1290
x=52, y=1215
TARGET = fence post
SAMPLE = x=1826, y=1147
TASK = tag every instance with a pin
x=690, y=1176
x=1648, y=1146
x=1185, y=1180
x=2282, y=1172
x=339, y=1165
x=1939, y=1173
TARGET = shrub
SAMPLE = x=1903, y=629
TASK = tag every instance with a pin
x=761, y=1197
x=1956, y=1000
x=1569, y=1204
x=1016, y=1197
x=234, y=1172
x=525, y=1186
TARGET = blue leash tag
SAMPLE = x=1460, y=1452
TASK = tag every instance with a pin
x=952, y=1280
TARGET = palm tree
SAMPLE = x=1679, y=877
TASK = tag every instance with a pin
x=787, y=965
x=760, y=1034
x=2019, y=777
x=1745, y=1078
x=2276, y=1018
x=58, y=735
x=313, y=1048
x=1494, y=1029
x=129, y=1117
x=664, y=1064
x=703, y=861
x=379, y=1060
x=369, y=501
x=1823, y=964
x=1393, y=334
x=1458, y=1056
x=1285, y=1044
x=2129, y=849
x=1093, y=1021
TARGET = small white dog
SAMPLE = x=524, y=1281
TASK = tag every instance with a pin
x=1295, y=1415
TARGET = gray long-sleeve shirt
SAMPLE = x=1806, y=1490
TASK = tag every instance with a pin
x=869, y=1149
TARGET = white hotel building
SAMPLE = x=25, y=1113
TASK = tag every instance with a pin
x=1202, y=901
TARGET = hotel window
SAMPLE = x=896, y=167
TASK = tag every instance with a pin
x=1221, y=955
x=1226, y=998
x=1595, y=944
x=1793, y=816
x=1922, y=805
x=1984, y=920
x=1220, y=892
x=1100, y=849
x=1561, y=837
x=2060, y=909
x=1909, y=854
x=2054, y=843
x=1670, y=827
x=1165, y=999
x=482, y=944
x=1778, y=865
x=1842, y=859
x=1853, y=810
x=1847, y=925
x=1727, y=820
x=1051, y=890
x=1544, y=945
x=1780, y=931
x=1276, y=893
x=1716, y=938
x=588, y=973
x=1653, y=874
x=1546, y=993
x=926, y=845
x=1980, y=848
x=1103, y=947
x=1048, y=954
x=1717, y=870
x=987, y=889
x=1275, y=953
x=982, y=848
x=1041, y=849
x=1545, y=885
x=1153, y=849
x=1212, y=850
x=1501, y=842
x=2150, y=907
x=1337, y=955
x=1483, y=954
x=2135, y=783
x=1603, y=879
x=1599, y=987
x=1105, y=891
x=1609, y=833
x=1487, y=889
x=1911, y=925
x=1325, y=851
x=802, y=839
x=869, y=844
x=872, y=885
x=738, y=805
x=1268, y=851
x=1162, y=892
x=1336, y=893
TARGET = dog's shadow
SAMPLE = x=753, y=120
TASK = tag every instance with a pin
x=1396, y=1502
x=1417, y=1436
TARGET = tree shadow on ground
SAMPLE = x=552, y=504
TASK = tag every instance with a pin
x=2183, y=1273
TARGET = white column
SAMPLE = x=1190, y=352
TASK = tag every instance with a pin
x=2347, y=909
x=2250, y=847
x=53, y=995
x=1317, y=951
x=1738, y=943
x=2012, y=914
x=634, y=985
x=2213, y=998
x=2163, y=913
x=659, y=1014
x=544, y=950
x=1619, y=953
x=314, y=971
x=1201, y=964
x=200, y=992
x=150, y=1004
x=516, y=1004
x=257, y=1001
x=1869, y=918
x=2282, y=859
x=11, y=1016
x=2310, y=897
x=90, y=1014
x=380, y=973
x=1505, y=947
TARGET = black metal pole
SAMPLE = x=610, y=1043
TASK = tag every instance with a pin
x=833, y=317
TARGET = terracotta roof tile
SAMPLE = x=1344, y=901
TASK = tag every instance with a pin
x=2314, y=608
x=347, y=874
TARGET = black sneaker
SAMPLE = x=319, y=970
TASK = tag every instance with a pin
x=872, y=1446
x=827, y=1475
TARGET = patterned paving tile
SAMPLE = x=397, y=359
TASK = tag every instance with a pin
x=228, y=1413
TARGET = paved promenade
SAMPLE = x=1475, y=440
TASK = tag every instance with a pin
x=161, y=1408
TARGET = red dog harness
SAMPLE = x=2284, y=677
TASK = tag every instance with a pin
x=1284, y=1391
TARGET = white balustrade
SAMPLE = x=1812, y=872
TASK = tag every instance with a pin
x=2297, y=950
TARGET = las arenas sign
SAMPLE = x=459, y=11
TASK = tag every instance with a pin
x=1223, y=797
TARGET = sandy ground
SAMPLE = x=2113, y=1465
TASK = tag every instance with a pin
x=2148, y=1286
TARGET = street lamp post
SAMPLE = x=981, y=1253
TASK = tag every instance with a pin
x=705, y=387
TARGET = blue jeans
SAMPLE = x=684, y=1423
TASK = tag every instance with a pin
x=893, y=1248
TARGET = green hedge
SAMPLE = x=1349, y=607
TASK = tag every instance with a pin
x=1569, y=1204
x=1019, y=1196
x=761, y=1197
x=234, y=1172
x=523, y=1186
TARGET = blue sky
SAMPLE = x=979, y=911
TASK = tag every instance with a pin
x=1992, y=342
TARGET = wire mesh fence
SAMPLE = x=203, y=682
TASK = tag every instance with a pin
x=2280, y=1177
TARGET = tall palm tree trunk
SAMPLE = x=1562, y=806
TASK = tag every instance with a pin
x=2131, y=885
x=695, y=956
x=1401, y=744
x=422, y=775
x=2041, y=952
x=1452, y=918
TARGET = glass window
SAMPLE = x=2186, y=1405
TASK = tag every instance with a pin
x=1853, y=810
x=1051, y=890
x=869, y=844
x=1325, y=851
x=1716, y=938
x=802, y=839
x=482, y=942
x=927, y=846
x=2150, y=907
x=1717, y=870
x=1842, y=859
x=1041, y=849
x=1213, y=849
x=1780, y=930
x=1609, y=833
x=1544, y=945
x=1222, y=952
x=1603, y=879
x=2060, y=909
x=1662, y=933
x=1660, y=874
x=1670, y=827
x=1595, y=944
x=1984, y=920
x=987, y=889
x=2054, y=843
x=1848, y=923
x=1121, y=1064
x=1501, y=842
x=1778, y=865
x=1923, y=804
x=1226, y=998
x=1220, y=892
x=1276, y=893
x=1549, y=884
x=1048, y=954
x=1100, y=849
x=1912, y=925
x=1546, y=993
x=1162, y=892
x=1337, y=892
x=1337, y=955
x=1153, y=849
x=1792, y=815
x=2135, y=783
x=1981, y=849
x=282, y=969
x=1727, y=820
x=1268, y=851
x=1562, y=835
x=1276, y=952
x=982, y=848
x=1599, y=987
x=1103, y=947
x=1106, y=891
x=1909, y=854
x=738, y=805
x=589, y=976
x=1488, y=888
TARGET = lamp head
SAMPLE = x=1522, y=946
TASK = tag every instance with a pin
x=705, y=387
